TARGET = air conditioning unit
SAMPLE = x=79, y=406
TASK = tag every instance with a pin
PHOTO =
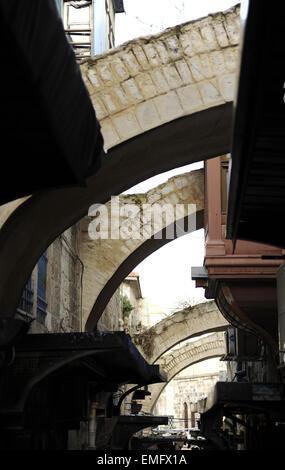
x=241, y=345
x=230, y=340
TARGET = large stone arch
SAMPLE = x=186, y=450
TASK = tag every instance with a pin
x=186, y=355
x=191, y=119
x=153, y=80
x=108, y=261
x=188, y=323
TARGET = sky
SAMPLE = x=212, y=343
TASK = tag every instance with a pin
x=152, y=16
x=165, y=276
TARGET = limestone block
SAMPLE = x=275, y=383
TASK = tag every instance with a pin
x=162, y=51
x=101, y=111
x=221, y=34
x=126, y=124
x=105, y=73
x=120, y=69
x=147, y=115
x=160, y=81
x=172, y=76
x=196, y=68
x=175, y=50
x=152, y=55
x=110, y=135
x=228, y=86
x=197, y=41
x=184, y=71
x=210, y=92
x=208, y=34
x=146, y=85
x=110, y=101
x=141, y=57
x=190, y=98
x=121, y=96
x=131, y=62
x=132, y=90
x=93, y=78
x=232, y=27
x=187, y=45
x=168, y=106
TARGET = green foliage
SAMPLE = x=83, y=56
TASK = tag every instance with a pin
x=126, y=306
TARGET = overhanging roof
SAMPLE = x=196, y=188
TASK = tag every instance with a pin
x=112, y=357
x=257, y=183
x=50, y=136
x=238, y=396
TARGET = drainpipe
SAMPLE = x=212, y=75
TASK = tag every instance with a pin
x=92, y=425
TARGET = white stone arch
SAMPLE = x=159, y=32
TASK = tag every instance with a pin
x=108, y=261
x=182, y=325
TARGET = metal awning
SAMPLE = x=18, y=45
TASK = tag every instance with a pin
x=50, y=136
x=244, y=397
x=257, y=183
x=111, y=357
x=80, y=365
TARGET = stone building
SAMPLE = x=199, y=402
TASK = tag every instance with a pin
x=90, y=25
x=53, y=297
x=179, y=397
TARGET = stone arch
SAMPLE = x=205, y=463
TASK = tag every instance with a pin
x=191, y=120
x=188, y=323
x=108, y=261
x=155, y=79
x=193, y=352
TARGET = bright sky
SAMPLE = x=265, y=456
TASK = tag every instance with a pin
x=165, y=276
x=151, y=16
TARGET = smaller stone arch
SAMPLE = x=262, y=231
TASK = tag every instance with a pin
x=208, y=347
x=182, y=325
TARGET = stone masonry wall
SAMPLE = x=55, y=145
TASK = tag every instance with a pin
x=63, y=287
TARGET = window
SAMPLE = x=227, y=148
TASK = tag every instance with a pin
x=26, y=302
x=41, y=291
